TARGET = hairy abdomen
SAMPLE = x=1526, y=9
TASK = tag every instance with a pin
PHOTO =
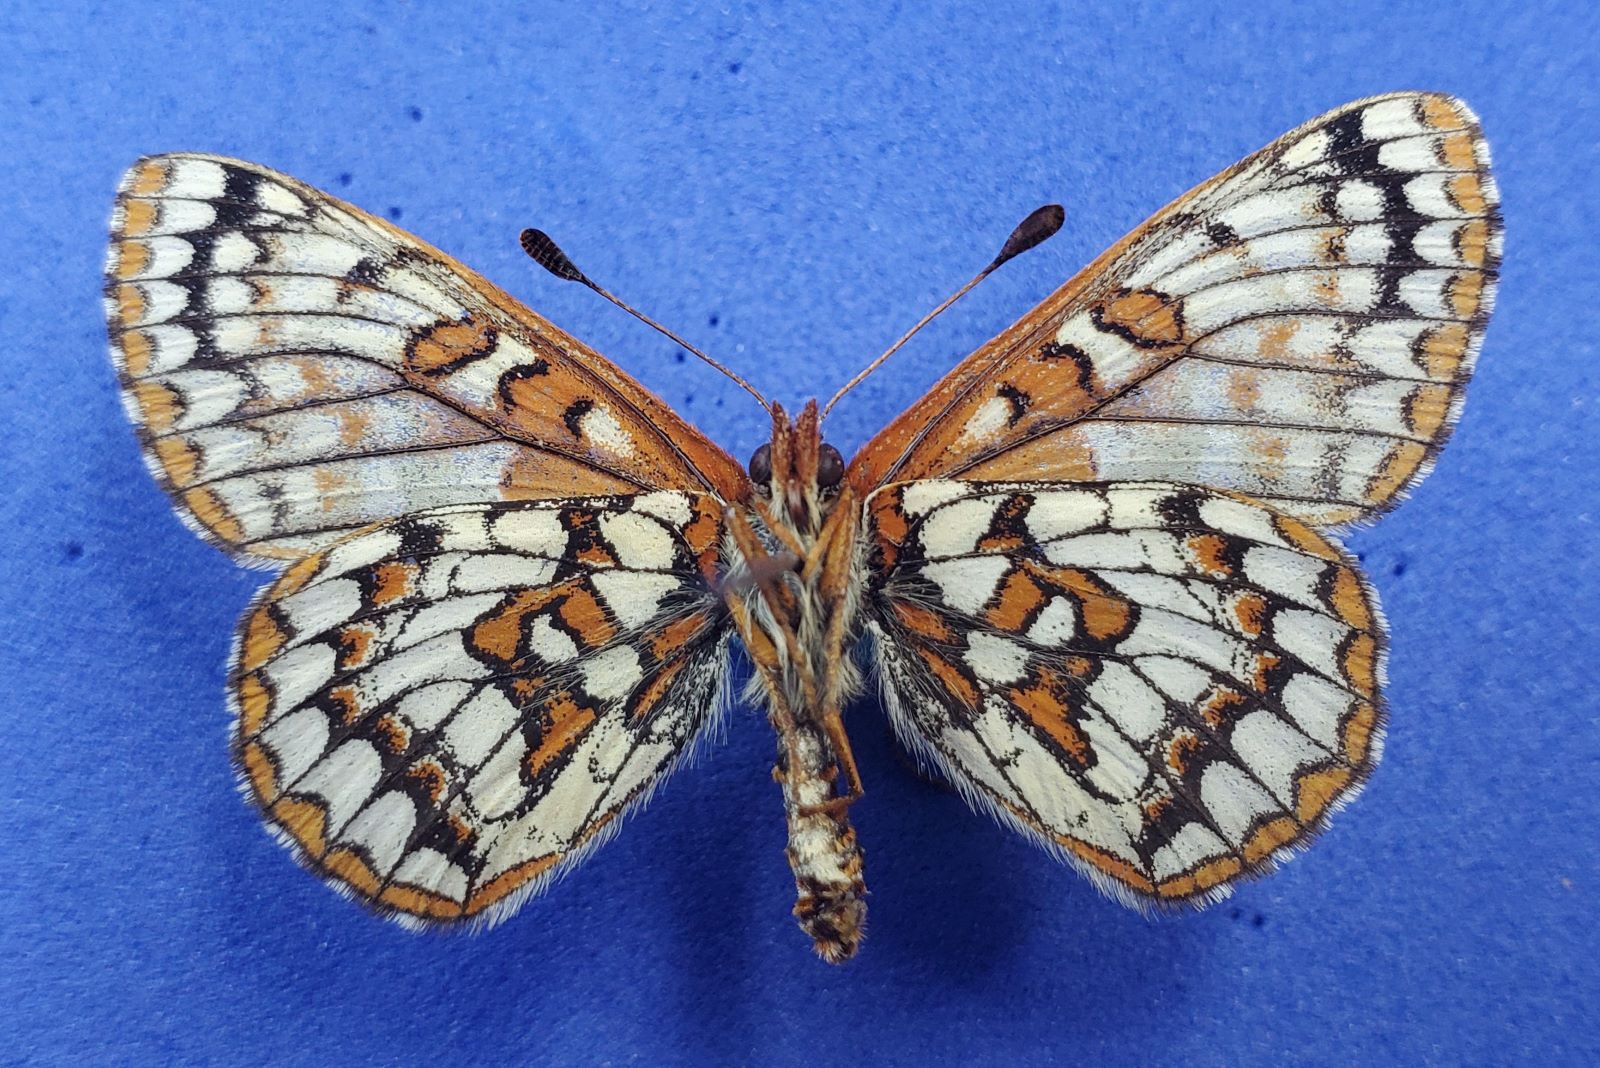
x=830, y=893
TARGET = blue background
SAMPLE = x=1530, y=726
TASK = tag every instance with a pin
x=792, y=188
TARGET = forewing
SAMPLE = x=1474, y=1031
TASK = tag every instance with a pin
x=1169, y=685
x=1299, y=328
x=441, y=714
x=299, y=369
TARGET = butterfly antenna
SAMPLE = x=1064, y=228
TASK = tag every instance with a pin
x=547, y=254
x=1037, y=228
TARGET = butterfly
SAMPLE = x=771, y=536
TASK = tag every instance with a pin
x=1094, y=571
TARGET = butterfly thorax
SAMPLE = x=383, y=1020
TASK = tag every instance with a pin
x=794, y=600
x=797, y=544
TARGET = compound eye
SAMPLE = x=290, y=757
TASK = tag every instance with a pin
x=830, y=467
x=761, y=466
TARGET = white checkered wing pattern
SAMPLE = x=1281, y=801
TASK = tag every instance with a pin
x=298, y=369
x=1168, y=685
x=1299, y=328
x=442, y=713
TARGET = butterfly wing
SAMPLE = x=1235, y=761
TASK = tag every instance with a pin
x=442, y=713
x=299, y=369
x=1299, y=328
x=1169, y=685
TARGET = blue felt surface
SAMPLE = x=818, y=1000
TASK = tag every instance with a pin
x=792, y=188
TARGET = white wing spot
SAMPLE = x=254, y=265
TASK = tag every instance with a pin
x=601, y=428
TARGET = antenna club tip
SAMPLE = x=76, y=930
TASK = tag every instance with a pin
x=1040, y=225
x=547, y=254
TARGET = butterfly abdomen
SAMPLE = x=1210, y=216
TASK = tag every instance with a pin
x=830, y=893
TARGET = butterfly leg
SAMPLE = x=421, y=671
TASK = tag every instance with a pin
x=832, y=725
x=831, y=571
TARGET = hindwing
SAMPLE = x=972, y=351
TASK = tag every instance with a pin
x=442, y=713
x=1171, y=685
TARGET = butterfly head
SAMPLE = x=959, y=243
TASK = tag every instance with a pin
x=798, y=471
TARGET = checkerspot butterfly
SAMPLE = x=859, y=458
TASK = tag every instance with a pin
x=1095, y=570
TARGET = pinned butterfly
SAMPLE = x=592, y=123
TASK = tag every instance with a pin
x=1095, y=569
